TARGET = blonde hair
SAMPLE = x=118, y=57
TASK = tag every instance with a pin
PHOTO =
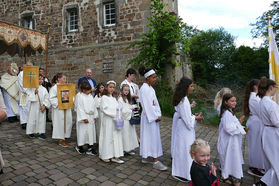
x=198, y=144
x=219, y=96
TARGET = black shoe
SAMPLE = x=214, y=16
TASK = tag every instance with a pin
x=79, y=150
x=48, y=120
x=11, y=119
x=1, y=171
x=42, y=136
x=259, y=183
x=180, y=179
x=23, y=126
x=31, y=136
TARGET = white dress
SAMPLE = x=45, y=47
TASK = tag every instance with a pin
x=183, y=131
x=269, y=114
x=97, y=101
x=229, y=146
x=24, y=103
x=59, y=132
x=110, y=143
x=150, y=139
x=37, y=119
x=85, y=109
x=129, y=134
x=256, y=154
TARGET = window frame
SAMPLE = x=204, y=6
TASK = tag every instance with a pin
x=104, y=14
x=26, y=19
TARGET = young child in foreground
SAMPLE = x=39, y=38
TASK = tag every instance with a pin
x=201, y=173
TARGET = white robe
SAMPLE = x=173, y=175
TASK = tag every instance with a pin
x=24, y=103
x=129, y=135
x=97, y=101
x=269, y=114
x=58, y=117
x=10, y=90
x=85, y=109
x=229, y=145
x=150, y=139
x=110, y=143
x=256, y=154
x=37, y=119
x=183, y=136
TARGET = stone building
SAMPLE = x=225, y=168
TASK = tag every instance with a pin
x=83, y=34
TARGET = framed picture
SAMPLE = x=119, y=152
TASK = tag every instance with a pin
x=65, y=95
x=30, y=77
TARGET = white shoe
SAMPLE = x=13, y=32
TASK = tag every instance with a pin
x=105, y=160
x=160, y=166
x=146, y=160
x=117, y=160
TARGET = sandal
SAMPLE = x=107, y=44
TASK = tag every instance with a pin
x=227, y=180
x=235, y=180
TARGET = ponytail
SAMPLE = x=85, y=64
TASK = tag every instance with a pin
x=264, y=85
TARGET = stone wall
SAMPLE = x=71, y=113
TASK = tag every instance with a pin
x=95, y=46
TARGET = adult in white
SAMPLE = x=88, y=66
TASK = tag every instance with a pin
x=129, y=134
x=39, y=101
x=9, y=86
x=269, y=114
x=183, y=130
x=87, y=115
x=251, y=108
x=110, y=143
x=150, y=139
x=24, y=103
x=3, y=115
x=62, y=126
x=229, y=143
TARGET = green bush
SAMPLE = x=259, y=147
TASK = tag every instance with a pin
x=164, y=95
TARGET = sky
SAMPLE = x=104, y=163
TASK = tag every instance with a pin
x=235, y=16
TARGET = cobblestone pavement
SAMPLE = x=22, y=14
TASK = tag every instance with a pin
x=43, y=162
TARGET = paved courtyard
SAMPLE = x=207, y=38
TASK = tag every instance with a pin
x=43, y=162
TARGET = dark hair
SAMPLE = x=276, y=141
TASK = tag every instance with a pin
x=98, y=87
x=143, y=70
x=54, y=79
x=59, y=75
x=264, y=85
x=40, y=75
x=114, y=94
x=130, y=71
x=224, y=106
x=41, y=69
x=249, y=88
x=181, y=90
x=124, y=97
x=84, y=85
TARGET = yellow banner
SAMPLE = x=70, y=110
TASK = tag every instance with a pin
x=66, y=94
x=30, y=77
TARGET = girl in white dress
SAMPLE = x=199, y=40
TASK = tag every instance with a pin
x=87, y=115
x=97, y=99
x=230, y=142
x=110, y=143
x=150, y=139
x=252, y=112
x=129, y=134
x=39, y=101
x=58, y=119
x=269, y=114
x=183, y=130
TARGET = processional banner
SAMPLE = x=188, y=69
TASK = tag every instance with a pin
x=30, y=77
x=66, y=94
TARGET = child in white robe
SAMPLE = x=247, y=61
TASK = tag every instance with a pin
x=150, y=139
x=251, y=108
x=269, y=114
x=230, y=142
x=58, y=120
x=87, y=115
x=183, y=130
x=97, y=99
x=39, y=101
x=129, y=134
x=110, y=143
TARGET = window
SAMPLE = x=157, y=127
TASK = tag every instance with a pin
x=109, y=14
x=72, y=19
x=27, y=21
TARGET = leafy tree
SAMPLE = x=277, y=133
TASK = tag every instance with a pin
x=158, y=46
x=260, y=27
x=211, y=52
